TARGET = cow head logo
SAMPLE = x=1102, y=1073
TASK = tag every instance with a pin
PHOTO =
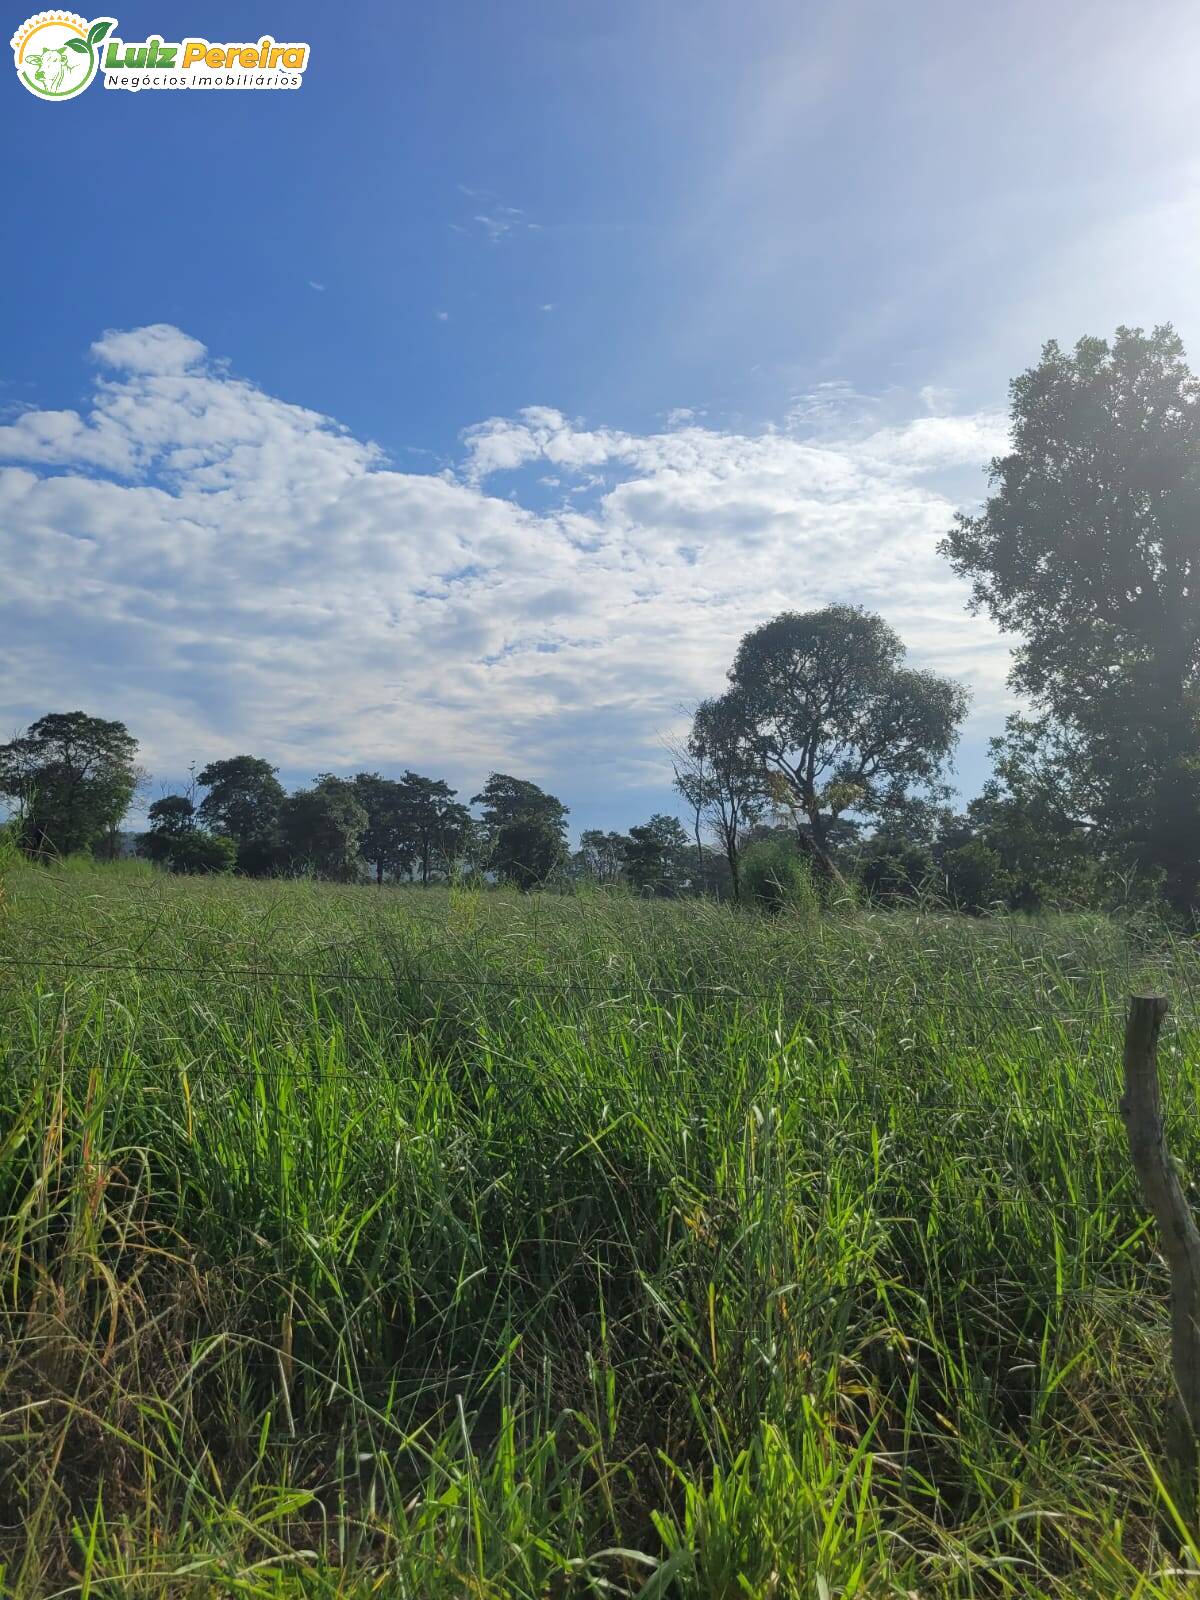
x=57, y=54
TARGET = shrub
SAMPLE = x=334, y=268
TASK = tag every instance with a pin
x=975, y=877
x=775, y=877
x=893, y=870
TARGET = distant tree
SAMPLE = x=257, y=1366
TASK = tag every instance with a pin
x=892, y=869
x=171, y=819
x=322, y=828
x=601, y=856
x=506, y=799
x=719, y=773
x=71, y=778
x=657, y=857
x=974, y=876
x=173, y=839
x=201, y=852
x=839, y=724
x=1088, y=549
x=436, y=825
x=1034, y=812
x=527, y=851
x=523, y=830
x=385, y=842
x=243, y=802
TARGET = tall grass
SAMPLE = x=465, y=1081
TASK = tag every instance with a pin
x=429, y=1244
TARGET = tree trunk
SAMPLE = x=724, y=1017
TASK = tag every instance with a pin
x=814, y=844
x=731, y=855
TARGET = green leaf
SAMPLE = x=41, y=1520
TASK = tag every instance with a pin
x=97, y=30
x=77, y=44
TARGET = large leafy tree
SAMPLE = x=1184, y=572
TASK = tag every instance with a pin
x=1088, y=549
x=174, y=840
x=838, y=724
x=322, y=828
x=384, y=842
x=719, y=774
x=506, y=799
x=436, y=825
x=172, y=820
x=524, y=829
x=601, y=856
x=243, y=802
x=657, y=857
x=527, y=851
x=71, y=778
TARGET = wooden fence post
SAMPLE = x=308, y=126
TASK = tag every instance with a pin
x=1141, y=1110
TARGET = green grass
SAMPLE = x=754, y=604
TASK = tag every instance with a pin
x=560, y=1247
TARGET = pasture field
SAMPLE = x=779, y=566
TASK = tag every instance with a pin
x=429, y=1244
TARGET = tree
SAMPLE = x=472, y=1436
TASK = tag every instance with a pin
x=524, y=829
x=838, y=724
x=385, y=842
x=656, y=857
x=171, y=819
x=974, y=876
x=1026, y=814
x=243, y=802
x=526, y=851
x=201, y=852
x=893, y=869
x=71, y=778
x=507, y=799
x=174, y=840
x=435, y=824
x=601, y=856
x=718, y=773
x=1088, y=547
x=321, y=828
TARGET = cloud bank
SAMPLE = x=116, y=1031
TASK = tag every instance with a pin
x=227, y=571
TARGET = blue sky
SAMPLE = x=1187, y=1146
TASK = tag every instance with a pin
x=501, y=376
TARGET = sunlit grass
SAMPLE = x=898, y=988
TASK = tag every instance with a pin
x=426, y=1243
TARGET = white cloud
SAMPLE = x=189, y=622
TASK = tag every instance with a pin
x=263, y=580
x=58, y=437
x=156, y=348
x=929, y=443
x=319, y=287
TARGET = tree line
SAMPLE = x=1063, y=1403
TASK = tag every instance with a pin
x=73, y=777
x=824, y=747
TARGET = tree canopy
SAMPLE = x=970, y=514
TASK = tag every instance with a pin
x=71, y=778
x=244, y=798
x=322, y=828
x=507, y=799
x=527, y=850
x=838, y=723
x=719, y=773
x=1087, y=548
